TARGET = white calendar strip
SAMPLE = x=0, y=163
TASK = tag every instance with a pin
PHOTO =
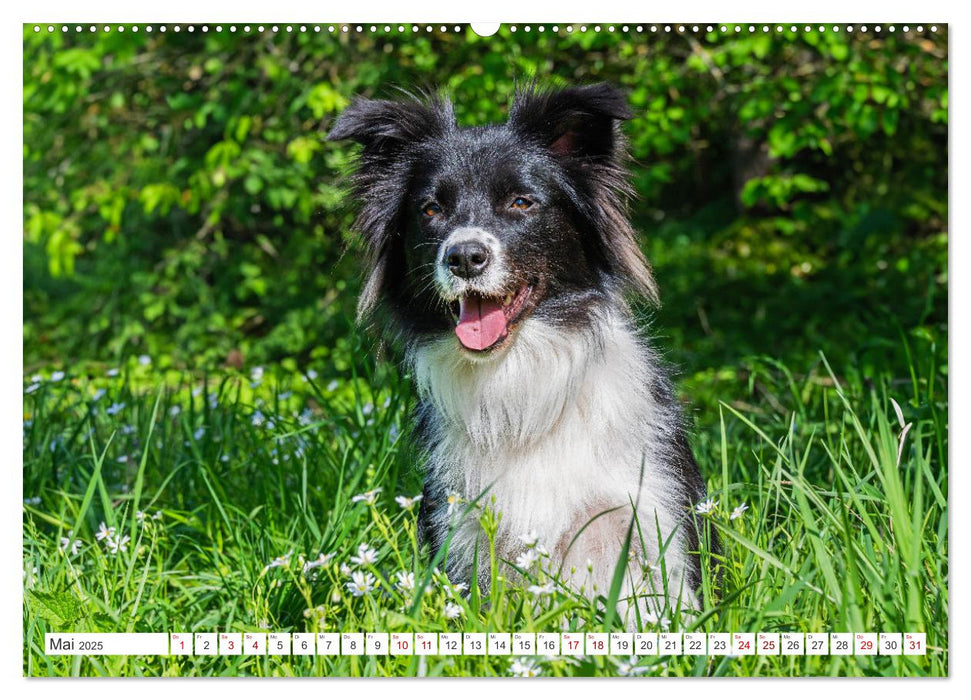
x=107, y=644
x=489, y=644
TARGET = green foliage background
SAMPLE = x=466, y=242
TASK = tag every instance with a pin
x=181, y=202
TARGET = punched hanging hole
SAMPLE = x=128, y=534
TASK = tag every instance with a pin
x=485, y=28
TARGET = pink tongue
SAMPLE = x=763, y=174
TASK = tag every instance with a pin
x=481, y=323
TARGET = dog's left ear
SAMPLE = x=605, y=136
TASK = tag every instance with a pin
x=575, y=122
x=581, y=128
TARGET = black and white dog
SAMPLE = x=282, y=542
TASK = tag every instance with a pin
x=500, y=258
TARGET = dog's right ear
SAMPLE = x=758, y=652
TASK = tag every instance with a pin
x=386, y=129
x=383, y=125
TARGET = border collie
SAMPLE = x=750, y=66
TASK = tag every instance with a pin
x=501, y=259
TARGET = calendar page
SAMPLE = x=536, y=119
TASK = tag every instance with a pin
x=524, y=349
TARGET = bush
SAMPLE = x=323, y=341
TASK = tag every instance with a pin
x=180, y=199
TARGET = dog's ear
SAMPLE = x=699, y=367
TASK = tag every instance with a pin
x=575, y=122
x=384, y=125
x=581, y=128
x=386, y=129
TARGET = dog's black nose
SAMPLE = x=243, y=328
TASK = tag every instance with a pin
x=467, y=259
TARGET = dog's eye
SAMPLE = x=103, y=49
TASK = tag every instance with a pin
x=520, y=203
x=431, y=210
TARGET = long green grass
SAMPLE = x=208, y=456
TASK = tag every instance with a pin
x=237, y=496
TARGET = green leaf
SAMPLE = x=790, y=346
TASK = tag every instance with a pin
x=59, y=609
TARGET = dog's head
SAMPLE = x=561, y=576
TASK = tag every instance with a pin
x=470, y=231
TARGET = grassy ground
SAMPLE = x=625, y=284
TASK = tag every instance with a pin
x=231, y=506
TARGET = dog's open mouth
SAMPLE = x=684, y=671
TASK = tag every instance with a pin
x=484, y=322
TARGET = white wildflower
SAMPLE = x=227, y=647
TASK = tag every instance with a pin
x=454, y=499
x=737, y=513
x=453, y=611
x=405, y=581
x=105, y=532
x=361, y=583
x=544, y=590
x=407, y=502
x=706, y=507
x=70, y=543
x=278, y=561
x=653, y=618
x=366, y=556
x=527, y=559
x=368, y=497
x=114, y=546
x=530, y=538
x=524, y=668
x=452, y=590
x=322, y=560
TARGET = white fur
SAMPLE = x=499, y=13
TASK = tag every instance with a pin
x=558, y=429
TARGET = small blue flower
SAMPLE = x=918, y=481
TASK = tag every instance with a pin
x=57, y=376
x=199, y=433
x=32, y=388
x=332, y=386
x=114, y=408
x=113, y=372
x=258, y=418
x=144, y=360
x=98, y=394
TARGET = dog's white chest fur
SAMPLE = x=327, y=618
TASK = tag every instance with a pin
x=559, y=430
